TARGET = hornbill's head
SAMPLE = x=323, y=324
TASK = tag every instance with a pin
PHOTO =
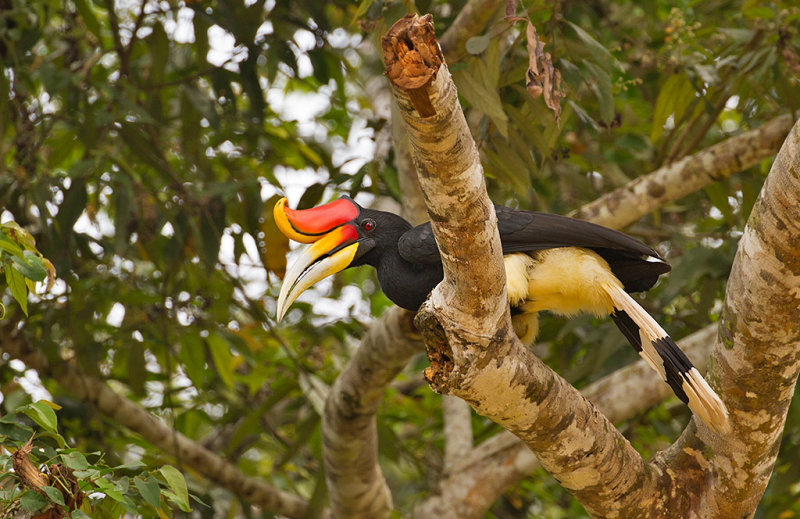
x=341, y=234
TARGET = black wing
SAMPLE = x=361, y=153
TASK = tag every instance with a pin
x=635, y=264
x=418, y=245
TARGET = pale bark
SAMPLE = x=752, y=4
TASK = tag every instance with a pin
x=456, y=413
x=465, y=322
x=647, y=193
x=470, y=487
x=505, y=456
x=414, y=209
x=440, y=140
x=474, y=356
x=757, y=357
x=356, y=484
x=457, y=431
x=187, y=452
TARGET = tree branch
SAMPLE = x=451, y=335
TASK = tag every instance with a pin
x=505, y=456
x=413, y=202
x=457, y=431
x=625, y=205
x=758, y=139
x=466, y=323
x=349, y=434
x=756, y=360
x=128, y=414
x=456, y=413
x=447, y=159
x=471, y=487
x=750, y=375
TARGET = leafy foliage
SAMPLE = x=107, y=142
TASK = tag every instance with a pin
x=143, y=144
x=22, y=264
x=111, y=491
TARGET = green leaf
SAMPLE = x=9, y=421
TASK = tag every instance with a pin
x=16, y=283
x=75, y=460
x=9, y=245
x=311, y=197
x=319, y=496
x=759, y=13
x=477, y=44
x=137, y=372
x=42, y=414
x=72, y=206
x=476, y=86
x=11, y=429
x=85, y=10
x=223, y=359
x=31, y=267
x=16, y=233
x=78, y=514
x=149, y=490
x=718, y=195
x=134, y=465
x=177, y=484
x=362, y=9
x=674, y=97
x=159, y=51
x=32, y=500
x=54, y=495
x=193, y=357
x=600, y=84
x=596, y=50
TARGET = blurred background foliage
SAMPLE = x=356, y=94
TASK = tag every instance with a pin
x=143, y=144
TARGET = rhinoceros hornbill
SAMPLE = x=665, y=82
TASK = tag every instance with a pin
x=552, y=263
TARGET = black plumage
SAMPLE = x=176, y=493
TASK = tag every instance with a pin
x=413, y=251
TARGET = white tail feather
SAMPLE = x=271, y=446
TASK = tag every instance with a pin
x=702, y=400
x=649, y=329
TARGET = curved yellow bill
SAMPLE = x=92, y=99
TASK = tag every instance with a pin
x=308, y=268
x=282, y=221
x=324, y=268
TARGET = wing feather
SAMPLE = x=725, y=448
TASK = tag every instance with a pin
x=635, y=264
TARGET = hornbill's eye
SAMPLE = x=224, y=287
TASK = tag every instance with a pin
x=368, y=224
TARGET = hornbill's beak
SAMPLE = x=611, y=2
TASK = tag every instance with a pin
x=334, y=244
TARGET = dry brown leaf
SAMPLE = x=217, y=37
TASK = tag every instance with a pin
x=56, y=475
x=543, y=77
x=27, y=472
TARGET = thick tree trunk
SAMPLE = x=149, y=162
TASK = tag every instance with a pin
x=757, y=358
